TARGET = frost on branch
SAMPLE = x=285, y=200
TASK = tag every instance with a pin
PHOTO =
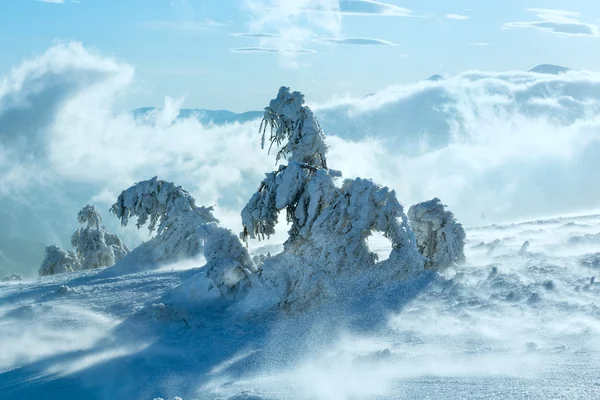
x=93, y=247
x=440, y=238
x=58, y=261
x=329, y=224
x=184, y=231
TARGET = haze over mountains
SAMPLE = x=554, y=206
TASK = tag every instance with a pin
x=224, y=116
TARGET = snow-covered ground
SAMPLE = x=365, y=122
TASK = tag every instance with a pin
x=508, y=324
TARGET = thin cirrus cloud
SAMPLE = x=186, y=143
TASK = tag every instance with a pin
x=357, y=41
x=51, y=1
x=557, y=22
x=480, y=44
x=256, y=35
x=250, y=50
x=457, y=16
x=372, y=8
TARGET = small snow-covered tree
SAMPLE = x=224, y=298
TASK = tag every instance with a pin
x=58, y=261
x=94, y=246
x=329, y=224
x=184, y=231
x=440, y=238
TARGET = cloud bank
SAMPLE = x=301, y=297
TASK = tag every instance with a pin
x=512, y=145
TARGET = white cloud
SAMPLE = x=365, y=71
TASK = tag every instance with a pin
x=478, y=133
x=558, y=22
x=294, y=24
x=553, y=11
x=456, y=16
x=51, y=1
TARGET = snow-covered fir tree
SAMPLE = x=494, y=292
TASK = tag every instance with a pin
x=440, y=238
x=93, y=247
x=329, y=224
x=184, y=231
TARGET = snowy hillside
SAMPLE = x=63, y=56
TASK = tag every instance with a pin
x=501, y=325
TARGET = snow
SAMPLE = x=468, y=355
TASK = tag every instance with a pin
x=463, y=334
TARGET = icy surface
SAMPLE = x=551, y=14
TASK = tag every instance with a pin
x=440, y=238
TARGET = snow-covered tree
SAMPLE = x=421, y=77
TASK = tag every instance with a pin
x=329, y=224
x=184, y=231
x=94, y=246
x=440, y=238
x=58, y=261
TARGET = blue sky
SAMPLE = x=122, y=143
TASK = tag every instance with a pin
x=190, y=48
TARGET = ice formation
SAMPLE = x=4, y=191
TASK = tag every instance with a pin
x=440, y=238
x=184, y=231
x=326, y=251
x=93, y=247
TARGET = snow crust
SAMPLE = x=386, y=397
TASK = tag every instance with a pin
x=440, y=238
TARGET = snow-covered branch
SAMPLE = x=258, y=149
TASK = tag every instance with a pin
x=185, y=231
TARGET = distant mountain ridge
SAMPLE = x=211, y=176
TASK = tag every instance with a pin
x=549, y=69
x=217, y=117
